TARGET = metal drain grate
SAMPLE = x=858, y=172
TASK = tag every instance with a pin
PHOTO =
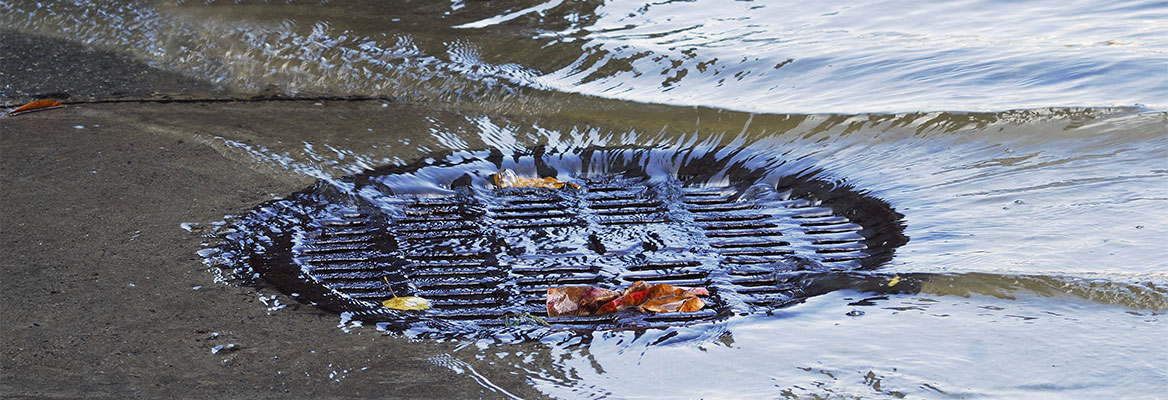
x=480, y=253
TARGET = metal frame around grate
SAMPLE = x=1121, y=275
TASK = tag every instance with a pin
x=481, y=253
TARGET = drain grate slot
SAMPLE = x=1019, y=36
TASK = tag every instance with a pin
x=708, y=200
x=672, y=276
x=558, y=280
x=738, y=225
x=822, y=229
x=538, y=224
x=727, y=245
x=355, y=246
x=556, y=214
x=347, y=232
x=743, y=233
x=632, y=221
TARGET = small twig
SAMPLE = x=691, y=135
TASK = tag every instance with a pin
x=387, y=286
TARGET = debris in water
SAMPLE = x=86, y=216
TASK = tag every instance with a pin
x=407, y=303
x=523, y=319
x=507, y=179
x=590, y=300
x=895, y=280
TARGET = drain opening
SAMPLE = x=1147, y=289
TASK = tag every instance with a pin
x=442, y=231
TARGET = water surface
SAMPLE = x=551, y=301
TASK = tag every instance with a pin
x=1023, y=142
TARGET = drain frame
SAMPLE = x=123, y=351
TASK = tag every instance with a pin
x=751, y=235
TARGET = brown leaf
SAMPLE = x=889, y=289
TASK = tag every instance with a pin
x=577, y=300
x=36, y=106
x=641, y=297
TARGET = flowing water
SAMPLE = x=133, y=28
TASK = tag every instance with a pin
x=1025, y=144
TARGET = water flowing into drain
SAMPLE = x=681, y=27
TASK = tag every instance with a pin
x=439, y=229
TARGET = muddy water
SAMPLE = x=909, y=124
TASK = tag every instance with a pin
x=1024, y=145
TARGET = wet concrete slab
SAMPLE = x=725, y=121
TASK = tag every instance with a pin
x=105, y=296
x=103, y=292
x=38, y=67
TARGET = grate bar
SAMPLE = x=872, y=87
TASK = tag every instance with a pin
x=550, y=214
x=848, y=227
x=625, y=204
x=721, y=208
x=731, y=217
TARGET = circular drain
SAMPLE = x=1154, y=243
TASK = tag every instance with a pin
x=439, y=229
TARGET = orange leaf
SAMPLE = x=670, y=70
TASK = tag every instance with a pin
x=507, y=179
x=36, y=105
x=642, y=297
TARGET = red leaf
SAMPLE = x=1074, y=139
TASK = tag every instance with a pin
x=641, y=297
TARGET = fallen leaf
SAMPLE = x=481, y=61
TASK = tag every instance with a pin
x=408, y=303
x=577, y=300
x=507, y=179
x=640, y=297
x=38, y=105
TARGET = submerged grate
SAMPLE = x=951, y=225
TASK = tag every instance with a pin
x=440, y=230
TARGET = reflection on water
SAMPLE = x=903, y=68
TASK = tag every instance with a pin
x=741, y=55
x=916, y=346
x=1037, y=234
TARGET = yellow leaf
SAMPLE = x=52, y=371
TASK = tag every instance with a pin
x=895, y=280
x=407, y=303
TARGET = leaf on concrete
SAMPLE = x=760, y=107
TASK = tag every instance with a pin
x=39, y=105
x=640, y=297
x=507, y=179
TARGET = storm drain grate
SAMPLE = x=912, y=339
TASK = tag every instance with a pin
x=442, y=231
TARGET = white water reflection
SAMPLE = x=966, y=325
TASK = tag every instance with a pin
x=751, y=56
